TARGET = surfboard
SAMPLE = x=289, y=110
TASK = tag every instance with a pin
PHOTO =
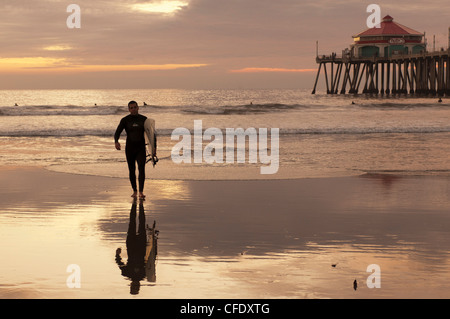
x=151, y=252
x=150, y=140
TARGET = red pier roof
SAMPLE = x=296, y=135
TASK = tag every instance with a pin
x=388, y=27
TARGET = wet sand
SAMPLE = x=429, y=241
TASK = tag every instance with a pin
x=227, y=239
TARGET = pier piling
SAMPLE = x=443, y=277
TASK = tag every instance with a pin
x=422, y=74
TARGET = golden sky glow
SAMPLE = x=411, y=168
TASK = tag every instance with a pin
x=57, y=48
x=13, y=65
x=45, y=65
x=166, y=7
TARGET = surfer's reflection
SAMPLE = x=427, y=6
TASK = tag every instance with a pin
x=141, y=249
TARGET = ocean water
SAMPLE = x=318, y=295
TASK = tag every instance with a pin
x=319, y=135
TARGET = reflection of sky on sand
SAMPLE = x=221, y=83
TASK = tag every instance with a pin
x=284, y=245
x=303, y=274
x=230, y=239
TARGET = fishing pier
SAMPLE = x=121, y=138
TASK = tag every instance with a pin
x=391, y=59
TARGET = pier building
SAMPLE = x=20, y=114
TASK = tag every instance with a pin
x=387, y=59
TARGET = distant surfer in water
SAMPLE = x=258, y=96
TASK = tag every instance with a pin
x=135, y=146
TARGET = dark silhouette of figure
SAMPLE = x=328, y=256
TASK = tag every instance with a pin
x=141, y=249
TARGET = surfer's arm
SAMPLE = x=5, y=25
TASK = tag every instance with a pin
x=119, y=130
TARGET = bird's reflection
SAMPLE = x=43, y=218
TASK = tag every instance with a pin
x=141, y=249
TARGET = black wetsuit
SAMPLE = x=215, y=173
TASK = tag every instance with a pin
x=135, y=146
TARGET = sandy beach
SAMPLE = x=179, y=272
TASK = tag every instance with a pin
x=293, y=239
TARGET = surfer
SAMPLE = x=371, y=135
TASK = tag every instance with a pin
x=135, y=146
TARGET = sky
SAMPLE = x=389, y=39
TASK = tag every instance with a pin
x=188, y=44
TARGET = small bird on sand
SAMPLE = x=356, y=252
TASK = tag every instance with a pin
x=355, y=285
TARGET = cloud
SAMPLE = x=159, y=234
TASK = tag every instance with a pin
x=46, y=65
x=138, y=67
x=57, y=48
x=257, y=70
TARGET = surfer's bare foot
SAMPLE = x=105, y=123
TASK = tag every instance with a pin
x=141, y=196
x=134, y=195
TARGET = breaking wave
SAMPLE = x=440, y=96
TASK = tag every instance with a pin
x=166, y=132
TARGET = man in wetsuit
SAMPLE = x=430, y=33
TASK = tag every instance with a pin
x=135, y=146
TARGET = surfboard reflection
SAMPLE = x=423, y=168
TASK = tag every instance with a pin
x=141, y=246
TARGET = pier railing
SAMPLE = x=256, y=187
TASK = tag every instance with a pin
x=394, y=57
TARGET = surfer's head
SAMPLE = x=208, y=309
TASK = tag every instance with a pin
x=133, y=107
